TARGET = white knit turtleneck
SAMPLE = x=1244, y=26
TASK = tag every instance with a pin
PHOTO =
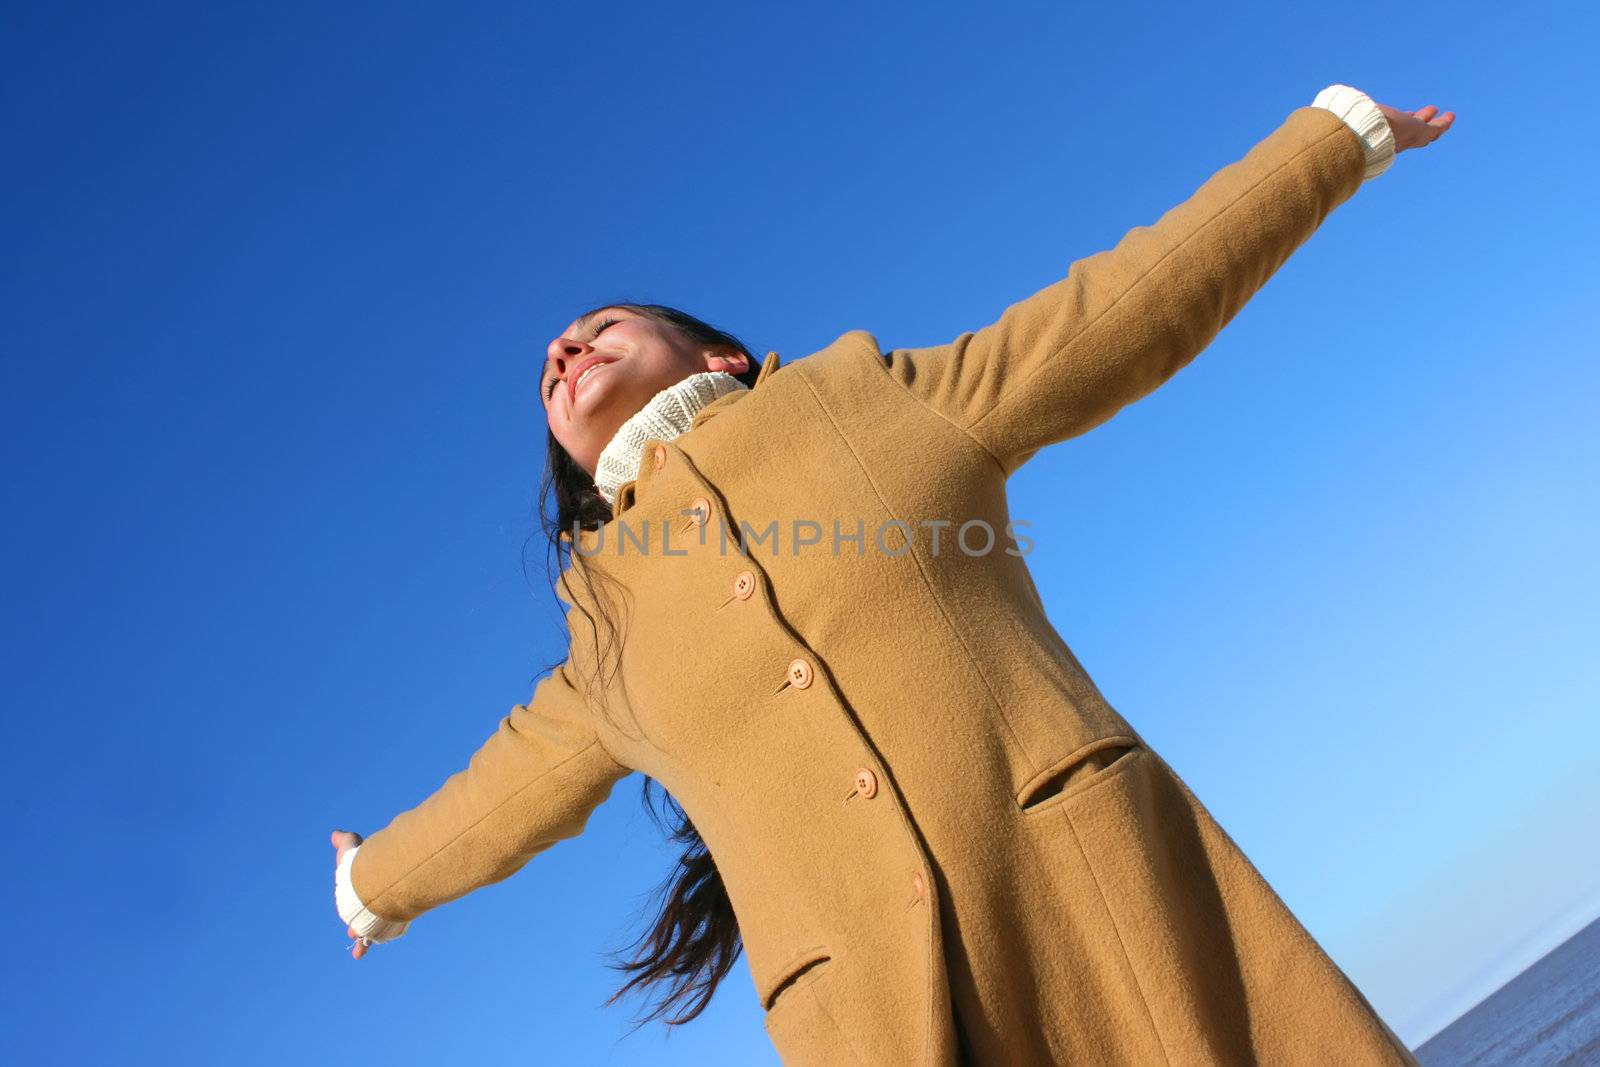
x=664, y=417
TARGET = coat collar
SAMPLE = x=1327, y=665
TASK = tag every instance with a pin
x=626, y=491
x=721, y=403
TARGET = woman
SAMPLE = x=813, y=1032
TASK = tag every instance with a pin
x=800, y=608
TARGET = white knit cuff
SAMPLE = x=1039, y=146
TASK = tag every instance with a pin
x=1361, y=115
x=352, y=911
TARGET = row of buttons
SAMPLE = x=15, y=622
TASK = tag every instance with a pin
x=800, y=673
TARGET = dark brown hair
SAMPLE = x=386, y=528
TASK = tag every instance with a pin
x=694, y=938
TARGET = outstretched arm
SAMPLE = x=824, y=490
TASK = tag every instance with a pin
x=533, y=783
x=1123, y=321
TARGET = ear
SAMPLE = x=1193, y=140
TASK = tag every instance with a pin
x=727, y=358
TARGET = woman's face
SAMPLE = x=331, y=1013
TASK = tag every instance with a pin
x=606, y=366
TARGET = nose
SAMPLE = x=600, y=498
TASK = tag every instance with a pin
x=564, y=351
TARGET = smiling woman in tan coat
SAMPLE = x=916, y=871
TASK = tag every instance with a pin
x=905, y=798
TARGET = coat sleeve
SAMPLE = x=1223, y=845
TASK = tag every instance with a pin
x=1123, y=321
x=533, y=783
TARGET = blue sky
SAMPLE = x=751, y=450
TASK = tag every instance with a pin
x=278, y=285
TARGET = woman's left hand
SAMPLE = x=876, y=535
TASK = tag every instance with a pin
x=1416, y=129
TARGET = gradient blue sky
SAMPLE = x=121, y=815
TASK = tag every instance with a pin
x=277, y=286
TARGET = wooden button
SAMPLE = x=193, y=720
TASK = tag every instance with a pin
x=659, y=456
x=866, y=783
x=702, y=510
x=799, y=673
x=744, y=585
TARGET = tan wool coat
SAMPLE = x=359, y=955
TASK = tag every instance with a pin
x=941, y=842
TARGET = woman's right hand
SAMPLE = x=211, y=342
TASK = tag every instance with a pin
x=344, y=841
x=1416, y=129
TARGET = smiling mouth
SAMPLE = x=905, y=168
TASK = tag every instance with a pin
x=587, y=371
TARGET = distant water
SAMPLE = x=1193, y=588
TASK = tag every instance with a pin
x=1547, y=1015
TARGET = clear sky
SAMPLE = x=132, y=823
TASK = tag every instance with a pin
x=278, y=281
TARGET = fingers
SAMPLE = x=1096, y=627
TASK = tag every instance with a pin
x=360, y=947
x=1435, y=127
x=343, y=841
x=1437, y=123
x=1419, y=128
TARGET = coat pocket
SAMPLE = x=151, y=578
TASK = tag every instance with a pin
x=797, y=1019
x=802, y=967
x=1078, y=772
